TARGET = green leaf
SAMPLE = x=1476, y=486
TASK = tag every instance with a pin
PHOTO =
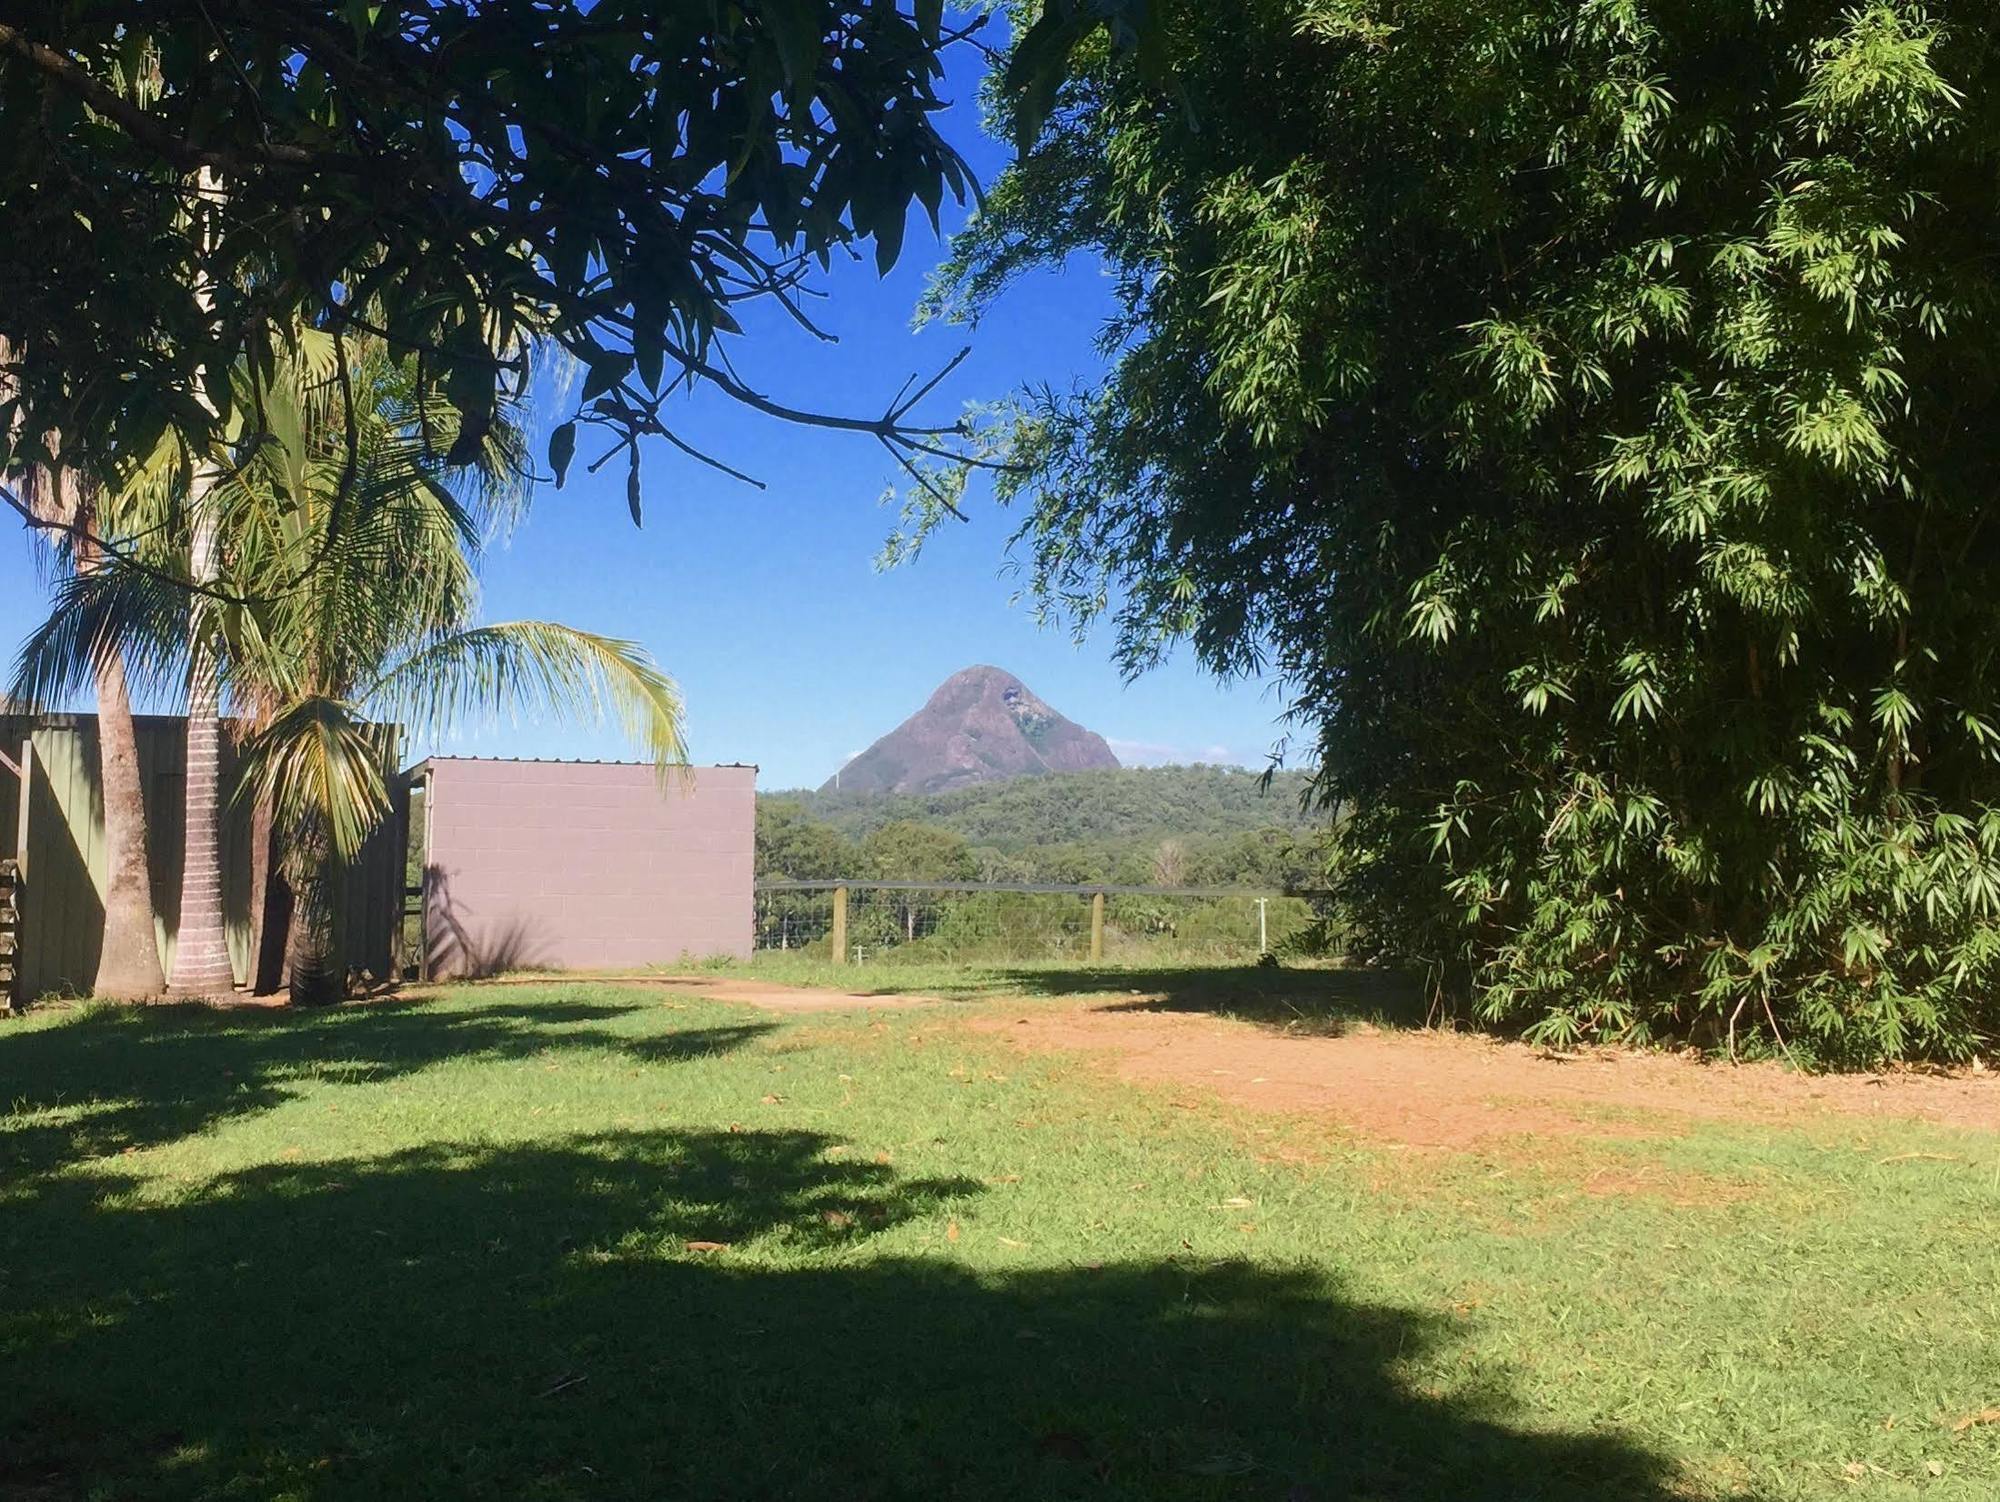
x=1039, y=64
x=888, y=239
x=604, y=373
x=562, y=449
x=632, y=488
x=501, y=669
x=649, y=355
x=795, y=28
x=361, y=16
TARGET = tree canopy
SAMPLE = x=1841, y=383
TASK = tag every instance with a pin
x=1115, y=805
x=1205, y=826
x=188, y=180
x=794, y=846
x=908, y=851
x=1587, y=409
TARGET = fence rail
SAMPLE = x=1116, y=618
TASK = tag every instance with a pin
x=1018, y=921
x=1083, y=889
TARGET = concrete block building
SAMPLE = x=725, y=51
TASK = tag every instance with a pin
x=583, y=865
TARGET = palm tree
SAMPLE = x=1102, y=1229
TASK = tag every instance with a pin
x=345, y=595
x=72, y=504
x=128, y=964
x=201, y=944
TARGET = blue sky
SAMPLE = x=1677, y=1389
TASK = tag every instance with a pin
x=792, y=650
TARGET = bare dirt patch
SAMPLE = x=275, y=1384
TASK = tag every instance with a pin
x=764, y=994
x=775, y=998
x=1446, y=1090
x=1404, y=1087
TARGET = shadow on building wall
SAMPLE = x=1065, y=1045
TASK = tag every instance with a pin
x=460, y=946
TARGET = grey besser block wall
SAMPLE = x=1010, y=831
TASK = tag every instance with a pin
x=584, y=866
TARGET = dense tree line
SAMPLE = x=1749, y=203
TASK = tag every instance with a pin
x=1099, y=829
x=1166, y=826
x=1587, y=408
x=1025, y=813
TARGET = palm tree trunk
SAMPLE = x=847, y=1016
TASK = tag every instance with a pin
x=128, y=963
x=201, y=952
x=270, y=905
x=318, y=977
x=128, y=969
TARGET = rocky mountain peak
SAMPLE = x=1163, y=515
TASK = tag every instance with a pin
x=982, y=724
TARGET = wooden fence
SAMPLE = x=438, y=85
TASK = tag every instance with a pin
x=840, y=920
x=55, y=837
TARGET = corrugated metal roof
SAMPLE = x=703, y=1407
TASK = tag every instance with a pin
x=573, y=761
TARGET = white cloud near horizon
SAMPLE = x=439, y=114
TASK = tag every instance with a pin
x=1160, y=754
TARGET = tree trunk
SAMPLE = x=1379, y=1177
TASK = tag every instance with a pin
x=270, y=906
x=318, y=978
x=128, y=964
x=201, y=953
x=128, y=969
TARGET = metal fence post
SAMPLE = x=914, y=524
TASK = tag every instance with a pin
x=1096, y=928
x=840, y=925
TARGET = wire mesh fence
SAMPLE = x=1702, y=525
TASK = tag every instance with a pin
x=1007, y=922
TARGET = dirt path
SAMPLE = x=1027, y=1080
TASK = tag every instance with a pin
x=1421, y=1089
x=776, y=998
x=765, y=994
x=1450, y=1090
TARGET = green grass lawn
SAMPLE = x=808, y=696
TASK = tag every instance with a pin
x=457, y=1249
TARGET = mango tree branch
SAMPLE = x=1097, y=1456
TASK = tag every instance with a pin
x=149, y=132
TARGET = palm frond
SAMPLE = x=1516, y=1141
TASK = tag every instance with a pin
x=317, y=764
x=114, y=610
x=515, y=666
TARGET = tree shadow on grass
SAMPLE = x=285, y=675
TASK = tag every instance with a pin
x=464, y=1321
x=1322, y=1002
x=121, y=1078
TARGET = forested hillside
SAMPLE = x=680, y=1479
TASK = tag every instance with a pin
x=1173, y=826
x=1027, y=813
